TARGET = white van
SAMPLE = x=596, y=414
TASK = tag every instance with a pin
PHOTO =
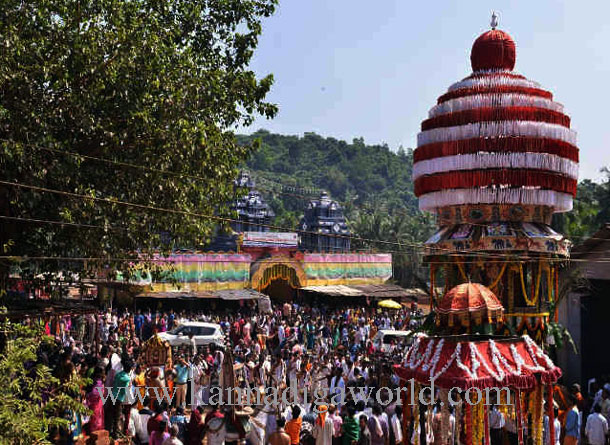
x=386, y=340
x=203, y=333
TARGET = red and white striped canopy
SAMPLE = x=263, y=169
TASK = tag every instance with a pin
x=496, y=137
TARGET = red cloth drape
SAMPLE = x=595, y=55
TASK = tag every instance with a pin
x=495, y=89
x=498, y=177
x=521, y=144
x=496, y=114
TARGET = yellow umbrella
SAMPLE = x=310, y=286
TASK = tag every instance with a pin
x=389, y=304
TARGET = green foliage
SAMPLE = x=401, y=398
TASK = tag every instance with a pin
x=372, y=183
x=354, y=173
x=33, y=400
x=155, y=83
x=591, y=209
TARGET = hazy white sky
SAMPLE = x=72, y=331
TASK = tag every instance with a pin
x=373, y=68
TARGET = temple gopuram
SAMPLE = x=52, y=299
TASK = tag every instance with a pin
x=495, y=159
x=252, y=262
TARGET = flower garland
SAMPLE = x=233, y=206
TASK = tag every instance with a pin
x=497, y=357
x=468, y=423
x=458, y=421
x=433, y=284
x=497, y=365
x=414, y=363
x=519, y=409
x=556, y=296
x=499, y=277
x=551, y=413
x=499, y=376
x=549, y=282
x=537, y=419
x=475, y=365
x=456, y=352
x=531, y=302
x=435, y=357
x=416, y=419
x=478, y=422
x=533, y=347
x=486, y=423
x=460, y=264
x=444, y=397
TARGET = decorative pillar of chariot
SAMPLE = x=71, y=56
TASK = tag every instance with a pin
x=495, y=159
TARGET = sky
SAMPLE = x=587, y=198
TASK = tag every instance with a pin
x=373, y=68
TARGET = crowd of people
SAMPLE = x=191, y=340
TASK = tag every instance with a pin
x=294, y=346
x=299, y=345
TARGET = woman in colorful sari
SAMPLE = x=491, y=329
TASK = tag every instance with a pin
x=195, y=427
x=94, y=401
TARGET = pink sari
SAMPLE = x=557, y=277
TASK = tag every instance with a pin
x=94, y=403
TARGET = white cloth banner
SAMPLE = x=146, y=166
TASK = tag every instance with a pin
x=493, y=81
x=483, y=160
x=493, y=100
x=497, y=129
x=561, y=202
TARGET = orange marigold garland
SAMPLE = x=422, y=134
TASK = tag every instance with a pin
x=468, y=422
x=551, y=413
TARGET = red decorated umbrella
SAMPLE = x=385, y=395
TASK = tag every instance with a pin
x=469, y=302
x=460, y=361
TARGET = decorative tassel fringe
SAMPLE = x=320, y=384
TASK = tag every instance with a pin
x=495, y=72
x=561, y=202
x=502, y=145
x=496, y=114
x=537, y=161
x=499, y=80
x=463, y=92
x=502, y=129
x=495, y=178
x=492, y=100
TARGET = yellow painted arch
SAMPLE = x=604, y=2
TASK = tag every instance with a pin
x=270, y=269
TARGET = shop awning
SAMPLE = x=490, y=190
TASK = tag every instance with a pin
x=239, y=294
x=384, y=291
x=233, y=294
x=381, y=291
x=335, y=291
x=177, y=295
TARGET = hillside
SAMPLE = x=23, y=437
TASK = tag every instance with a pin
x=356, y=174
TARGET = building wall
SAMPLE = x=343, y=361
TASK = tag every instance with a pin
x=569, y=316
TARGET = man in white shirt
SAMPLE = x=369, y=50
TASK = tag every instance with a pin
x=396, y=424
x=597, y=427
x=496, y=423
x=547, y=429
x=337, y=388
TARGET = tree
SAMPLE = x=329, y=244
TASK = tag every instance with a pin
x=404, y=230
x=33, y=400
x=156, y=84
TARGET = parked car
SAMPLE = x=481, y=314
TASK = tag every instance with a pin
x=203, y=333
x=386, y=340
